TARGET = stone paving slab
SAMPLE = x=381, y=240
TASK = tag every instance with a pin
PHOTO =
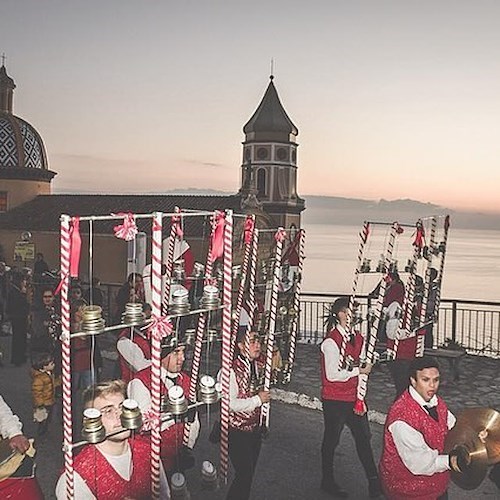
x=479, y=383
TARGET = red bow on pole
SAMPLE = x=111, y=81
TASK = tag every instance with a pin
x=75, y=247
x=217, y=247
x=419, y=236
x=280, y=235
x=248, y=229
x=128, y=230
x=159, y=327
x=176, y=222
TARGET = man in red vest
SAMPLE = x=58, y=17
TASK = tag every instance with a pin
x=120, y=466
x=338, y=393
x=245, y=401
x=21, y=483
x=413, y=464
x=174, y=455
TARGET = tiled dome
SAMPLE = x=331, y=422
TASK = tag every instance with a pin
x=20, y=144
x=22, y=153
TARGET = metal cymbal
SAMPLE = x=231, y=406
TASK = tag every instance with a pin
x=478, y=430
x=486, y=422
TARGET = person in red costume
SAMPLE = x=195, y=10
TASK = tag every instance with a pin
x=134, y=349
x=120, y=466
x=413, y=464
x=338, y=394
x=174, y=455
x=22, y=483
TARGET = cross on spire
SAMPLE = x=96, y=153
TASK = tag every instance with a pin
x=3, y=58
x=272, y=68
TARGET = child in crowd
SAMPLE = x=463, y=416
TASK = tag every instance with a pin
x=43, y=389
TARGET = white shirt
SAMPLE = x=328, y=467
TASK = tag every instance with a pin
x=418, y=457
x=132, y=353
x=239, y=404
x=122, y=465
x=331, y=351
x=138, y=391
x=10, y=425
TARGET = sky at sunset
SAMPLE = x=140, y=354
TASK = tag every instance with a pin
x=392, y=99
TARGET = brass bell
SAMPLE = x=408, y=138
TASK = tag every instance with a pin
x=92, y=321
x=177, y=403
x=207, y=393
x=178, y=487
x=93, y=431
x=131, y=417
x=209, y=479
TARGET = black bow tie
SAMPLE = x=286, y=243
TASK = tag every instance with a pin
x=432, y=411
x=172, y=379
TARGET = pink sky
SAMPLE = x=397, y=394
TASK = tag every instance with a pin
x=392, y=99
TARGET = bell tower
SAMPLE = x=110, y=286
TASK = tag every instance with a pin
x=269, y=168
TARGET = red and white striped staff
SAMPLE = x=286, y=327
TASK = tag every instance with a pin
x=363, y=235
x=174, y=231
x=409, y=299
x=247, y=239
x=198, y=343
x=427, y=285
x=252, y=306
x=360, y=405
x=156, y=263
x=226, y=343
x=280, y=238
x=296, y=300
x=441, y=265
x=66, y=357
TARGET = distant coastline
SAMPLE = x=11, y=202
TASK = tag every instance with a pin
x=351, y=211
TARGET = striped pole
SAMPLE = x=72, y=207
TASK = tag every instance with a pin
x=360, y=405
x=279, y=237
x=66, y=358
x=363, y=235
x=252, y=306
x=156, y=262
x=198, y=344
x=427, y=285
x=296, y=301
x=226, y=344
x=170, y=261
x=441, y=265
x=409, y=298
x=243, y=279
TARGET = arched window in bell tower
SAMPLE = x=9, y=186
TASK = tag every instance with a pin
x=261, y=182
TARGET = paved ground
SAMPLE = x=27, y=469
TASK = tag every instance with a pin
x=289, y=464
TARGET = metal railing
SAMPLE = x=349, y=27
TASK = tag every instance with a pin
x=471, y=324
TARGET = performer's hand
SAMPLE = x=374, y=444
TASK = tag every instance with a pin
x=365, y=369
x=265, y=396
x=19, y=443
x=460, y=458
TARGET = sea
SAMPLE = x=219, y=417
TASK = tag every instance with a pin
x=471, y=261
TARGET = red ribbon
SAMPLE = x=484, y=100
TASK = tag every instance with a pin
x=159, y=327
x=399, y=229
x=280, y=235
x=248, y=229
x=128, y=230
x=360, y=407
x=176, y=223
x=419, y=236
x=217, y=246
x=75, y=247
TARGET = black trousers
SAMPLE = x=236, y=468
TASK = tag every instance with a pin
x=336, y=414
x=244, y=449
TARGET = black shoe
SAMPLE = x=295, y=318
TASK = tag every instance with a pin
x=334, y=489
x=374, y=488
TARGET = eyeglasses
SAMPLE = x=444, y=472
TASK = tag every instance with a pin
x=110, y=411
